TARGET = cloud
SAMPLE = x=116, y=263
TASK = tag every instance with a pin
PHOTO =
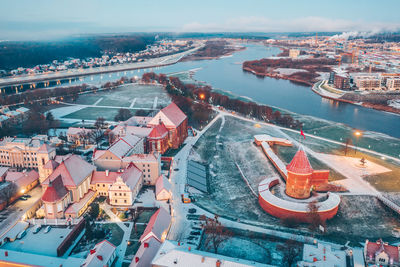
x=305, y=24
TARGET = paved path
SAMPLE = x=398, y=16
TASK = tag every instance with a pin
x=155, y=102
x=96, y=106
x=133, y=103
x=121, y=249
x=98, y=101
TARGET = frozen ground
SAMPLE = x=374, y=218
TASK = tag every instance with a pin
x=289, y=71
x=41, y=243
x=229, y=141
x=107, y=103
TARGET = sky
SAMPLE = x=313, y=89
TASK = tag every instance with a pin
x=47, y=19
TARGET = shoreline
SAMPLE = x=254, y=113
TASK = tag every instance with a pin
x=366, y=105
x=278, y=76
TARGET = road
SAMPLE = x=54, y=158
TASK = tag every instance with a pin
x=150, y=63
x=12, y=214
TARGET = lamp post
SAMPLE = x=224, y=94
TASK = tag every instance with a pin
x=357, y=134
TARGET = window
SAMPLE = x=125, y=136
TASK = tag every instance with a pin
x=43, y=161
x=120, y=194
x=115, y=194
x=124, y=194
x=125, y=200
x=98, y=185
x=119, y=187
x=59, y=207
x=148, y=165
x=104, y=185
x=49, y=208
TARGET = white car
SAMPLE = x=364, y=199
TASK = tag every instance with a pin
x=47, y=229
x=21, y=234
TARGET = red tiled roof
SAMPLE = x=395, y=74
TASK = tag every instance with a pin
x=51, y=164
x=22, y=179
x=159, y=131
x=300, y=163
x=374, y=248
x=101, y=177
x=174, y=114
x=45, y=148
x=73, y=171
x=55, y=191
x=158, y=223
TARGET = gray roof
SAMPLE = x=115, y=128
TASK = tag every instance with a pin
x=197, y=176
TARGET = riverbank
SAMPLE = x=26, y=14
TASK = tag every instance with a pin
x=318, y=89
x=214, y=50
x=278, y=76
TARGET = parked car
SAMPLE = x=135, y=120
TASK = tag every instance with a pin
x=37, y=228
x=23, y=198
x=27, y=196
x=192, y=210
x=21, y=234
x=47, y=229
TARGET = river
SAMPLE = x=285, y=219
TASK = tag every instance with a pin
x=226, y=74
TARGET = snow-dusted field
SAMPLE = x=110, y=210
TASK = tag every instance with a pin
x=229, y=141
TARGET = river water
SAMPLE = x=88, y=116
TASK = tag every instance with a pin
x=226, y=74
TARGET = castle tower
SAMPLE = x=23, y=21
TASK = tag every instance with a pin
x=298, y=183
x=44, y=154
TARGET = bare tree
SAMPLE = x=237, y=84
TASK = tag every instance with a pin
x=349, y=142
x=8, y=192
x=291, y=249
x=96, y=135
x=314, y=218
x=100, y=123
x=215, y=232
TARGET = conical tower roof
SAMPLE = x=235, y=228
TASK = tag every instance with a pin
x=300, y=163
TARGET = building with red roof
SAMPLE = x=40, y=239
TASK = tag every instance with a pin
x=102, y=181
x=301, y=178
x=158, y=226
x=75, y=175
x=126, y=186
x=157, y=140
x=25, y=181
x=380, y=253
x=103, y=254
x=175, y=121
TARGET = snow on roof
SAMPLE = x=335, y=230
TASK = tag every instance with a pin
x=73, y=171
x=146, y=253
x=99, y=255
x=131, y=176
x=3, y=171
x=104, y=177
x=171, y=116
x=28, y=259
x=51, y=164
x=158, y=132
x=374, y=248
x=45, y=148
x=323, y=255
x=22, y=179
x=141, y=158
x=158, y=224
x=172, y=254
x=15, y=230
x=271, y=154
x=22, y=109
x=300, y=163
x=123, y=145
x=77, y=206
x=75, y=130
x=55, y=191
x=330, y=203
x=98, y=153
x=162, y=183
x=135, y=130
x=3, y=118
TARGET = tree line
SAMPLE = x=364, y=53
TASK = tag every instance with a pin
x=196, y=101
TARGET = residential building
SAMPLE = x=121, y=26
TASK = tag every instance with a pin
x=158, y=226
x=111, y=159
x=157, y=140
x=294, y=53
x=172, y=253
x=78, y=135
x=102, y=181
x=25, y=153
x=323, y=255
x=103, y=254
x=146, y=253
x=380, y=253
x=393, y=84
x=163, y=188
x=367, y=82
x=342, y=81
x=67, y=190
x=126, y=186
x=24, y=180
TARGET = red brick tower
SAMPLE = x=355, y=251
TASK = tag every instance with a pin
x=298, y=183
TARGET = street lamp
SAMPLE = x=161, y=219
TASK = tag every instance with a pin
x=357, y=134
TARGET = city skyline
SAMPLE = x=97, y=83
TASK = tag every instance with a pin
x=47, y=20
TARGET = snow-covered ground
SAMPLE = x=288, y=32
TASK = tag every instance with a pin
x=288, y=71
x=394, y=103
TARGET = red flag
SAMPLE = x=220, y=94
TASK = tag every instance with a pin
x=302, y=133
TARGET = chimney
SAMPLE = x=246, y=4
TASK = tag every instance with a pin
x=107, y=172
x=189, y=248
x=136, y=259
x=92, y=251
x=146, y=245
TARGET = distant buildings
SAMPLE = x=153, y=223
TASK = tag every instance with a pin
x=294, y=53
x=367, y=82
